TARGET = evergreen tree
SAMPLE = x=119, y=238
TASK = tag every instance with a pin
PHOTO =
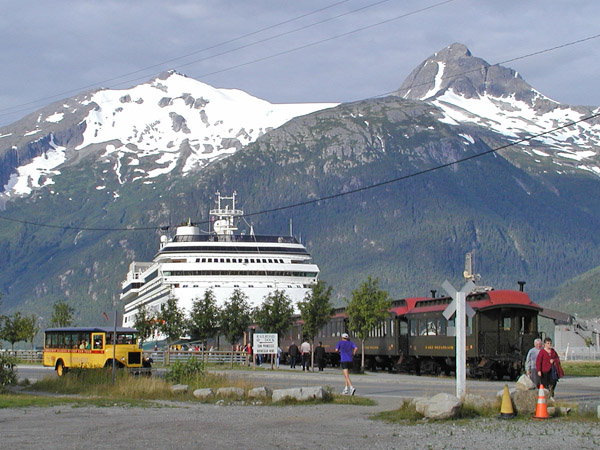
x=315, y=311
x=62, y=314
x=204, y=317
x=369, y=306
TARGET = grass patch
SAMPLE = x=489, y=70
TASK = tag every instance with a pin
x=339, y=399
x=581, y=368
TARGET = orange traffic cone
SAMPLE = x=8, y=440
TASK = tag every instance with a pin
x=541, y=411
x=506, y=410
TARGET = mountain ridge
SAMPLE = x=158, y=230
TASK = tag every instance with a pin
x=524, y=215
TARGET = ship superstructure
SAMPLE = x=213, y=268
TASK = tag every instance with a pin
x=222, y=260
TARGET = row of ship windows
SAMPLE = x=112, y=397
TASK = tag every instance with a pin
x=240, y=260
x=273, y=273
x=177, y=285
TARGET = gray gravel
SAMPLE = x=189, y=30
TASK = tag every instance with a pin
x=192, y=425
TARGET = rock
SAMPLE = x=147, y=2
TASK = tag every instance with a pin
x=283, y=394
x=299, y=394
x=440, y=406
x=234, y=392
x=179, y=388
x=313, y=393
x=525, y=402
x=204, y=394
x=477, y=401
x=524, y=383
x=260, y=392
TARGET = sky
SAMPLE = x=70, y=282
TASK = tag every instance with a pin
x=286, y=51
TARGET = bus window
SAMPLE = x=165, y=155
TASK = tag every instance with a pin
x=97, y=342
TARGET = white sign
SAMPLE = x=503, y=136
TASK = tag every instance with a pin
x=265, y=344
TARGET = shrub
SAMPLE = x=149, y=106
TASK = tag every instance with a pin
x=7, y=371
x=186, y=372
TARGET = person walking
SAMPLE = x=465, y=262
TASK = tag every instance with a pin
x=548, y=366
x=347, y=349
x=293, y=352
x=305, y=350
x=320, y=356
x=530, y=362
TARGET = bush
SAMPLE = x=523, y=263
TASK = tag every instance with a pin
x=186, y=372
x=7, y=371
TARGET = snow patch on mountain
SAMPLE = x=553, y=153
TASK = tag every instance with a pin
x=171, y=122
x=38, y=172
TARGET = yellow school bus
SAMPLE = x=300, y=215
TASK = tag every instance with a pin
x=91, y=348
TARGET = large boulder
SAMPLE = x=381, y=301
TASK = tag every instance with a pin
x=440, y=406
x=525, y=402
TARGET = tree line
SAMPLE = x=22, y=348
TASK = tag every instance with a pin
x=366, y=308
x=22, y=328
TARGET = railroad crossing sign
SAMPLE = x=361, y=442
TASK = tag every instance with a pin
x=451, y=308
x=459, y=306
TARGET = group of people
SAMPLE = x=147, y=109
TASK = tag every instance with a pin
x=346, y=348
x=543, y=365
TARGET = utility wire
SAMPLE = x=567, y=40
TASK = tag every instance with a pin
x=284, y=52
x=333, y=196
x=456, y=75
x=204, y=50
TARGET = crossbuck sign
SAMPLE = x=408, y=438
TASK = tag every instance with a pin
x=265, y=343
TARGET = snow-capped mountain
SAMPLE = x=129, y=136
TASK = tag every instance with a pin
x=170, y=123
x=469, y=90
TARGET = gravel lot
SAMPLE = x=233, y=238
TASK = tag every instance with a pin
x=191, y=425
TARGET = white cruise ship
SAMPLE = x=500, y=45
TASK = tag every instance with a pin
x=220, y=259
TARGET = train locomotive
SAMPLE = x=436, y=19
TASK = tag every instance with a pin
x=417, y=338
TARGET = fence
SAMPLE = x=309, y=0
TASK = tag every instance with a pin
x=161, y=357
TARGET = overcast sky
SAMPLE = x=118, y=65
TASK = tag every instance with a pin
x=55, y=49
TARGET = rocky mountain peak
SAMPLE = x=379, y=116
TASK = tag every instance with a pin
x=455, y=69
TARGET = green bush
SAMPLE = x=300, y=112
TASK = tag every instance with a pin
x=186, y=372
x=7, y=371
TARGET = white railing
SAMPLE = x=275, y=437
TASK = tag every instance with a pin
x=211, y=357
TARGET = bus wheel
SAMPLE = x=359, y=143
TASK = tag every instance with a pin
x=60, y=369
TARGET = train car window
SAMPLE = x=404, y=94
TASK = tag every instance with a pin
x=392, y=327
x=413, y=327
x=403, y=328
x=506, y=323
x=441, y=327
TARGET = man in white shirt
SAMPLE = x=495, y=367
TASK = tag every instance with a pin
x=305, y=350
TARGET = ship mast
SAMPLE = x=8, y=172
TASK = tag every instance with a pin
x=224, y=223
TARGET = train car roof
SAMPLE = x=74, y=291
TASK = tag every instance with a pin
x=477, y=300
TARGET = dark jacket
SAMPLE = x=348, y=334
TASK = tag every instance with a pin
x=293, y=350
x=319, y=352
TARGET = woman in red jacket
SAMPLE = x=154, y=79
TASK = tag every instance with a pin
x=547, y=358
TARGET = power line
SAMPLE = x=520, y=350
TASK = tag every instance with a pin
x=204, y=50
x=456, y=75
x=333, y=196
